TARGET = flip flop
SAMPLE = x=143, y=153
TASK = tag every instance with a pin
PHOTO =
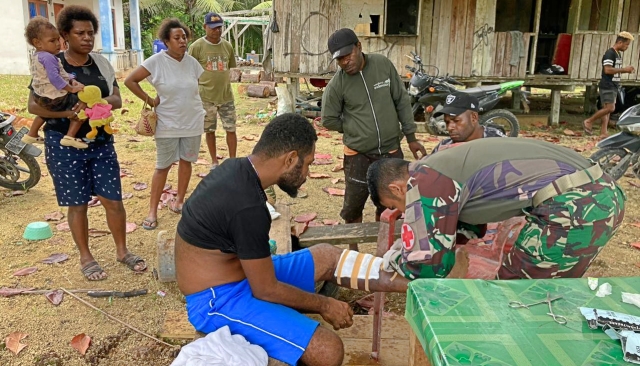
x=131, y=260
x=92, y=268
x=149, y=224
x=586, y=130
x=173, y=208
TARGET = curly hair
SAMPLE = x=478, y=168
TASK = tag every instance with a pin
x=35, y=27
x=285, y=133
x=77, y=13
x=164, y=32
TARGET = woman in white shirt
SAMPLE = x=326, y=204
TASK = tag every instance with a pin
x=174, y=74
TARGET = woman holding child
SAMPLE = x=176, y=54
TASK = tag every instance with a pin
x=80, y=173
x=174, y=75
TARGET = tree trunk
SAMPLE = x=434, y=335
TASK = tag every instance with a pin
x=258, y=91
x=272, y=86
x=242, y=89
x=235, y=75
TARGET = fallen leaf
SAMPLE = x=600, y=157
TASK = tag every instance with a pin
x=13, y=342
x=638, y=264
x=634, y=184
x=126, y=196
x=54, y=216
x=81, y=343
x=318, y=175
x=14, y=193
x=201, y=175
x=305, y=217
x=95, y=233
x=635, y=245
x=334, y=191
x=131, y=227
x=248, y=137
x=636, y=224
x=322, y=156
x=166, y=187
x=315, y=224
x=300, y=228
x=322, y=162
x=220, y=157
x=8, y=292
x=569, y=132
x=578, y=149
x=165, y=198
x=329, y=222
x=55, y=297
x=324, y=134
x=124, y=111
x=337, y=168
x=201, y=162
x=64, y=226
x=140, y=186
x=133, y=139
x=552, y=139
x=95, y=202
x=337, y=180
x=55, y=258
x=25, y=271
x=44, y=174
x=173, y=192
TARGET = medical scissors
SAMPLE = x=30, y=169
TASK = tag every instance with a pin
x=557, y=318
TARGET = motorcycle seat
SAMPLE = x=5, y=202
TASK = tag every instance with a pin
x=482, y=90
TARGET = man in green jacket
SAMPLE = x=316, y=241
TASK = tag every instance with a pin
x=367, y=102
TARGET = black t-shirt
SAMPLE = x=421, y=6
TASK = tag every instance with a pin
x=87, y=75
x=227, y=211
x=613, y=59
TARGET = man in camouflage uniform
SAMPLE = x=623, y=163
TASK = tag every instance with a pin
x=572, y=209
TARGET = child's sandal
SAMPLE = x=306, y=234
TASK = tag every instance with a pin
x=32, y=140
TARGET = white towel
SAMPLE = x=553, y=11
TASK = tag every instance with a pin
x=220, y=348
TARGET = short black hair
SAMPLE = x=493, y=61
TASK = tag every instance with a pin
x=77, y=13
x=622, y=39
x=382, y=173
x=164, y=32
x=285, y=133
x=36, y=25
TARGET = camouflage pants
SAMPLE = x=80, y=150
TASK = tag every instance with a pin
x=227, y=112
x=564, y=234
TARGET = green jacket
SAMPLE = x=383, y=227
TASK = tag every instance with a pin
x=372, y=108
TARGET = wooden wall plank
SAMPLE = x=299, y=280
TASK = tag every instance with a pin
x=625, y=15
x=295, y=35
x=631, y=58
x=604, y=46
x=618, y=20
x=479, y=30
x=499, y=57
x=307, y=39
x=461, y=29
x=444, y=41
x=508, y=50
x=584, y=59
x=576, y=55
x=455, y=15
x=468, y=38
x=595, y=52
x=514, y=69
x=426, y=26
x=536, y=31
x=522, y=68
x=435, y=30
x=634, y=17
x=280, y=58
x=490, y=21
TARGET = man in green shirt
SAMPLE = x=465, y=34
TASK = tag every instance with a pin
x=216, y=57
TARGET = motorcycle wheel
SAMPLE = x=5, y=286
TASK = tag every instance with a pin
x=501, y=119
x=11, y=174
x=608, y=160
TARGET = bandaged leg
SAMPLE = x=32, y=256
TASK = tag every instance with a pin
x=355, y=269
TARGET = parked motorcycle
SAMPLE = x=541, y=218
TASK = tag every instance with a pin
x=19, y=170
x=428, y=93
x=617, y=152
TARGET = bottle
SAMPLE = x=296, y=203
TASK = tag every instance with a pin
x=272, y=246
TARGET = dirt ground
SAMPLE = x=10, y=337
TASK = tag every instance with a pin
x=50, y=328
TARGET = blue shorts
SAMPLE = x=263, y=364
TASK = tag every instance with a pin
x=281, y=331
x=79, y=174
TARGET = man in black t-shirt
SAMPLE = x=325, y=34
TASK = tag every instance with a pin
x=610, y=82
x=224, y=266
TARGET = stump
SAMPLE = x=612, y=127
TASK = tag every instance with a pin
x=235, y=75
x=250, y=78
x=258, y=91
x=272, y=86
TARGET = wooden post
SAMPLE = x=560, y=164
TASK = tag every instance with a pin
x=554, y=117
x=536, y=31
x=235, y=37
x=516, y=100
x=417, y=357
x=590, y=99
x=293, y=84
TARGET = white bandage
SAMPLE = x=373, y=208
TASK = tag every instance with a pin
x=353, y=266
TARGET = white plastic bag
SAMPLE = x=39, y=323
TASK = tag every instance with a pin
x=285, y=100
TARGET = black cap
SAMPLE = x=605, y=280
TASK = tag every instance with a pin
x=457, y=103
x=341, y=42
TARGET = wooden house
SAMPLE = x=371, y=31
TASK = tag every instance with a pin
x=476, y=41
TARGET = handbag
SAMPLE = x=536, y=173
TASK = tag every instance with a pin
x=146, y=125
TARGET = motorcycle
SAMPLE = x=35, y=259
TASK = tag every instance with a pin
x=19, y=170
x=428, y=93
x=617, y=152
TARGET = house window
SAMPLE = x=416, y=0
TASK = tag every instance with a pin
x=37, y=7
x=598, y=15
x=402, y=17
x=631, y=17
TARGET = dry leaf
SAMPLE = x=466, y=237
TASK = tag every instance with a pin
x=54, y=216
x=300, y=228
x=305, y=217
x=636, y=224
x=202, y=175
x=337, y=180
x=165, y=198
x=166, y=187
x=635, y=245
x=14, y=193
x=126, y=196
x=95, y=233
x=201, y=161
x=324, y=134
x=124, y=111
x=322, y=162
x=64, y=226
x=81, y=343
x=568, y=132
x=55, y=258
x=131, y=227
x=13, y=342
x=55, y=297
x=634, y=184
x=25, y=271
x=8, y=292
x=337, y=168
x=315, y=224
x=95, y=202
x=318, y=175
x=140, y=186
x=133, y=139
x=322, y=156
x=173, y=192
x=334, y=191
x=248, y=138
x=329, y=222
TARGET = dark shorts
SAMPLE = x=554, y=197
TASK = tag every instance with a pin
x=64, y=103
x=282, y=332
x=608, y=95
x=355, y=176
x=79, y=174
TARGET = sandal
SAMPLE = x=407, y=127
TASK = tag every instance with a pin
x=173, y=208
x=91, y=269
x=32, y=140
x=149, y=224
x=587, y=131
x=70, y=141
x=131, y=260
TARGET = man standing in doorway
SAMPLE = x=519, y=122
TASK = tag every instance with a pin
x=367, y=102
x=216, y=57
x=610, y=83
